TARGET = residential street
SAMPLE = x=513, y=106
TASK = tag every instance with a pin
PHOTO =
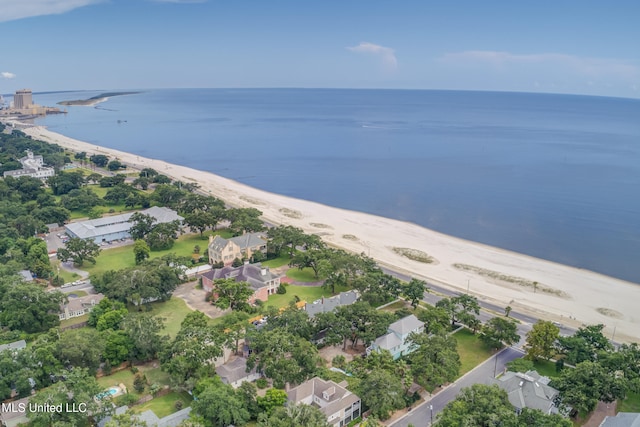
x=482, y=374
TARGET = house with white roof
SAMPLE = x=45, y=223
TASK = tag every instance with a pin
x=32, y=166
x=396, y=340
x=110, y=228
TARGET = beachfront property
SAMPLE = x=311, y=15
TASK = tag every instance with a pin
x=235, y=372
x=116, y=227
x=396, y=339
x=338, y=404
x=32, y=166
x=528, y=390
x=23, y=106
x=261, y=279
x=325, y=305
x=76, y=307
x=224, y=251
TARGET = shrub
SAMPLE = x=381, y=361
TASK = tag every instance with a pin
x=262, y=383
x=154, y=388
x=139, y=383
x=281, y=289
x=178, y=405
x=339, y=361
x=134, y=370
x=127, y=399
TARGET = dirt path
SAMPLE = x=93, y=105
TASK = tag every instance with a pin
x=601, y=411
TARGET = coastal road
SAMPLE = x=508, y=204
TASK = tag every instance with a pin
x=482, y=374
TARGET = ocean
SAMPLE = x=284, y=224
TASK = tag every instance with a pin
x=552, y=176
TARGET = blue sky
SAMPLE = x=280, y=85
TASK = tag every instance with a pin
x=570, y=46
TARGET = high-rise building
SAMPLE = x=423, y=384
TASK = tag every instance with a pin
x=22, y=99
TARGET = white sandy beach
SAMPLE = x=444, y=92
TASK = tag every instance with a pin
x=565, y=294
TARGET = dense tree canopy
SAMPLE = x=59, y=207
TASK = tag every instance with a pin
x=541, y=340
x=79, y=250
x=27, y=307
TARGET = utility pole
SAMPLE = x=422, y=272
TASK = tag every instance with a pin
x=495, y=366
x=431, y=409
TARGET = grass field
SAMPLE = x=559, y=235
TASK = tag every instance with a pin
x=396, y=306
x=165, y=405
x=276, y=262
x=304, y=275
x=472, y=351
x=123, y=257
x=630, y=404
x=306, y=293
x=173, y=311
x=546, y=368
x=73, y=321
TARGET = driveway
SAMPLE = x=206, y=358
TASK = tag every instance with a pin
x=194, y=298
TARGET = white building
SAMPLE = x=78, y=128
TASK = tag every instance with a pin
x=32, y=166
x=116, y=227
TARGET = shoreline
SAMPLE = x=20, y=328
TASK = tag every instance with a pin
x=561, y=293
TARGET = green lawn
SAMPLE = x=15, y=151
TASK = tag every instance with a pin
x=396, y=306
x=173, y=311
x=66, y=276
x=304, y=275
x=472, y=351
x=73, y=321
x=546, y=368
x=123, y=257
x=165, y=405
x=306, y=293
x=630, y=404
x=277, y=262
x=125, y=377
x=78, y=293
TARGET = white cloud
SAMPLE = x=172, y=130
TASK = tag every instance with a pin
x=386, y=54
x=7, y=75
x=17, y=9
x=593, y=67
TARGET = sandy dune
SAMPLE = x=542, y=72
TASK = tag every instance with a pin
x=561, y=293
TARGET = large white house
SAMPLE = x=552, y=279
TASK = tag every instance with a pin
x=32, y=166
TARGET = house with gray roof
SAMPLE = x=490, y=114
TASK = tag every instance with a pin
x=324, y=305
x=622, y=419
x=151, y=419
x=235, y=372
x=14, y=346
x=396, y=339
x=115, y=227
x=261, y=279
x=338, y=404
x=79, y=306
x=240, y=247
x=26, y=275
x=529, y=390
